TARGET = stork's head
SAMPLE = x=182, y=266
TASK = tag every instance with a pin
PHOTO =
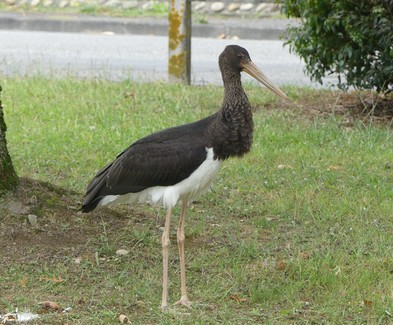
x=235, y=59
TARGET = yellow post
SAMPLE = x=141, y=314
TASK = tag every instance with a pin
x=179, y=35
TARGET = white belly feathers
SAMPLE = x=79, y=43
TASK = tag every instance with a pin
x=168, y=196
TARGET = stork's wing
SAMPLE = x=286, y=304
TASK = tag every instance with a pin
x=147, y=164
x=160, y=159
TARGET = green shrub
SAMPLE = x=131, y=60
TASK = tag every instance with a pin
x=351, y=38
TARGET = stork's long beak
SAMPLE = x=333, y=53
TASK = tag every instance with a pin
x=250, y=68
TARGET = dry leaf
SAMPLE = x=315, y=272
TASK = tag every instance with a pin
x=17, y=317
x=337, y=270
x=331, y=167
x=48, y=305
x=237, y=298
x=281, y=266
x=23, y=282
x=77, y=260
x=367, y=303
x=54, y=279
x=123, y=319
x=284, y=166
x=9, y=318
x=305, y=255
x=121, y=252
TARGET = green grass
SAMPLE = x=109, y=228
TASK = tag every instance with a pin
x=157, y=9
x=298, y=231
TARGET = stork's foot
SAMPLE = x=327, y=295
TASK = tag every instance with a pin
x=184, y=301
x=164, y=308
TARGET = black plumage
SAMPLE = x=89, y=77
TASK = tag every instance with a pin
x=172, y=156
x=156, y=160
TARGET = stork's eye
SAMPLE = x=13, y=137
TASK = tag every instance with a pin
x=240, y=55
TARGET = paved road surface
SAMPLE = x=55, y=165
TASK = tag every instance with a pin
x=137, y=57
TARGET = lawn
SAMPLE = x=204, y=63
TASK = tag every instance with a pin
x=153, y=9
x=298, y=231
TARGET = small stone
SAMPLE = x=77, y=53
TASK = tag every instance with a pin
x=200, y=6
x=217, y=6
x=147, y=5
x=74, y=3
x=233, y=7
x=123, y=319
x=112, y=3
x=121, y=252
x=130, y=4
x=63, y=4
x=265, y=8
x=246, y=6
x=48, y=3
x=35, y=3
x=32, y=219
x=276, y=7
x=16, y=207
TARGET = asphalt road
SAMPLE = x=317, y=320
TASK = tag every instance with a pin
x=144, y=58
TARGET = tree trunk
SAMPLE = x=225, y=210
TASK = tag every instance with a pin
x=8, y=177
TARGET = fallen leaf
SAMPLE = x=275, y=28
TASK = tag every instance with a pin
x=237, y=298
x=305, y=255
x=284, y=166
x=17, y=317
x=331, y=167
x=121, y=252
x=9, y=318
x=23, y=282
x=54, y=279
x=281, y=266
x=77, y=260
x=367, y=303
x=48, y=305
x=81, y=301
x=123, y=319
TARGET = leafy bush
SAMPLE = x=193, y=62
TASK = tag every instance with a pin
x=351, y=38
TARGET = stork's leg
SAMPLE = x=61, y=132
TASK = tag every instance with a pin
x=180, y=243
x=165, y=260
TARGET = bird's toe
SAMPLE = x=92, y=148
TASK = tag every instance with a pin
x=184, y=301
x=164, y=308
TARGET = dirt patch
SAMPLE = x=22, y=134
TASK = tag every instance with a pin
x=62, y=231
x=364, y=106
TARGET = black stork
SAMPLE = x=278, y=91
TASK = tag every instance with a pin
x=177, y=164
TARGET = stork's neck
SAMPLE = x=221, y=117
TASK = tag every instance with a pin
x=235, y=99
x=232, y=132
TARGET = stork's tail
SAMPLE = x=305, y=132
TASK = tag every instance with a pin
x=93, y=197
